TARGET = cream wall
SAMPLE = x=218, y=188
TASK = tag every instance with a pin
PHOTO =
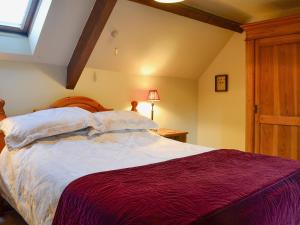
x=221, y=116
x=177, y=108
x=26, y=86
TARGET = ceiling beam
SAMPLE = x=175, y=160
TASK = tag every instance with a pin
x=88, y=39
x=193, y=13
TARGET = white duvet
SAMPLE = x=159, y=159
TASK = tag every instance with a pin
x=32, y=179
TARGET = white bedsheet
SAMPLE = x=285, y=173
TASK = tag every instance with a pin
x=33, y=178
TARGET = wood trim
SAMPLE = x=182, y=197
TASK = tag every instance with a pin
x=87, y=42
x=280, y=120
x=250, y=96
x=286, y=39
x=194, y=13
x=2, y=117
x=256, y=92
x=274, y=27
x=79, y=101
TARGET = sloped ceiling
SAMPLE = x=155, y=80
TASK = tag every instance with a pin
x=149, y=41
x=154, y=42
x=60, y=33
x=245, y=10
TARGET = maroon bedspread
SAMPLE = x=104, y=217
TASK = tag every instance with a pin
x=223, y=187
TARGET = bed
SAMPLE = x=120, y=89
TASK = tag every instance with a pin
x=133, y=176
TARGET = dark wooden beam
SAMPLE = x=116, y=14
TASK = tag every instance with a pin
x=194, y=13
x=89, y=37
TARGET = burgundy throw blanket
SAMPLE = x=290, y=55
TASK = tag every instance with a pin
x=223, y=187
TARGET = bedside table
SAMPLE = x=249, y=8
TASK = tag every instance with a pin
x=172, y=134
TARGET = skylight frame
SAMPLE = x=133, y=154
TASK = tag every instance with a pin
x=28, y=21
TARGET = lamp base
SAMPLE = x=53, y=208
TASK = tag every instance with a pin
x=152, y=111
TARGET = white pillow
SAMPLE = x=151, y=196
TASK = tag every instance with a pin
x=22, y=130
x=121, y=120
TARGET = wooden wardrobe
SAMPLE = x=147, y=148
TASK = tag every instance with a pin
x=273, y=87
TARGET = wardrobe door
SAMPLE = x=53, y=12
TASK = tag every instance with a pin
x=277, y=96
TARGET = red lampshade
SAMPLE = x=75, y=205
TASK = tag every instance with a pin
x=153, y=95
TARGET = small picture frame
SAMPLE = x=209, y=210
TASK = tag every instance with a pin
x=221, y=83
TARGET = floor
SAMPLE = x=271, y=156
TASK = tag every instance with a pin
x=11, y=218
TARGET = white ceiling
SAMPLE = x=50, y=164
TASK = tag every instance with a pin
x=154, y=42
x=60, y=34
x=149, y=41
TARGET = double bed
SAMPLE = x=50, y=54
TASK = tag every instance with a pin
x=130, y=175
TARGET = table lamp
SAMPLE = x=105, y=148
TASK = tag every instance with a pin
x=153, y=96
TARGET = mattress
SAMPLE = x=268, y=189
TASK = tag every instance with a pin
x=33, y=178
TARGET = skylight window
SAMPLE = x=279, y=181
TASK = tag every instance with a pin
x=16, y=15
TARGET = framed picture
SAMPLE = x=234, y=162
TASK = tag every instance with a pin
x=221, y=83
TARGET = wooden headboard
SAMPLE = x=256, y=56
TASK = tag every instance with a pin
x=81, y=102
x=75, y=101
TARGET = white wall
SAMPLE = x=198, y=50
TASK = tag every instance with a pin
x=221, y=115
x=26, y=86
x=177, y=108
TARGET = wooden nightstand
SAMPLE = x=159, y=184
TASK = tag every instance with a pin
x=172, y=134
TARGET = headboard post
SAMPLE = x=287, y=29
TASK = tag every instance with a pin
x=2, y=117
x=134, y=105
x=2, y=113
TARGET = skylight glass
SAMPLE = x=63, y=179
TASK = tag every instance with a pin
x=13, y=13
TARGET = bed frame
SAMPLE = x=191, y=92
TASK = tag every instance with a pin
x=75, y=101
x=81, y=102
